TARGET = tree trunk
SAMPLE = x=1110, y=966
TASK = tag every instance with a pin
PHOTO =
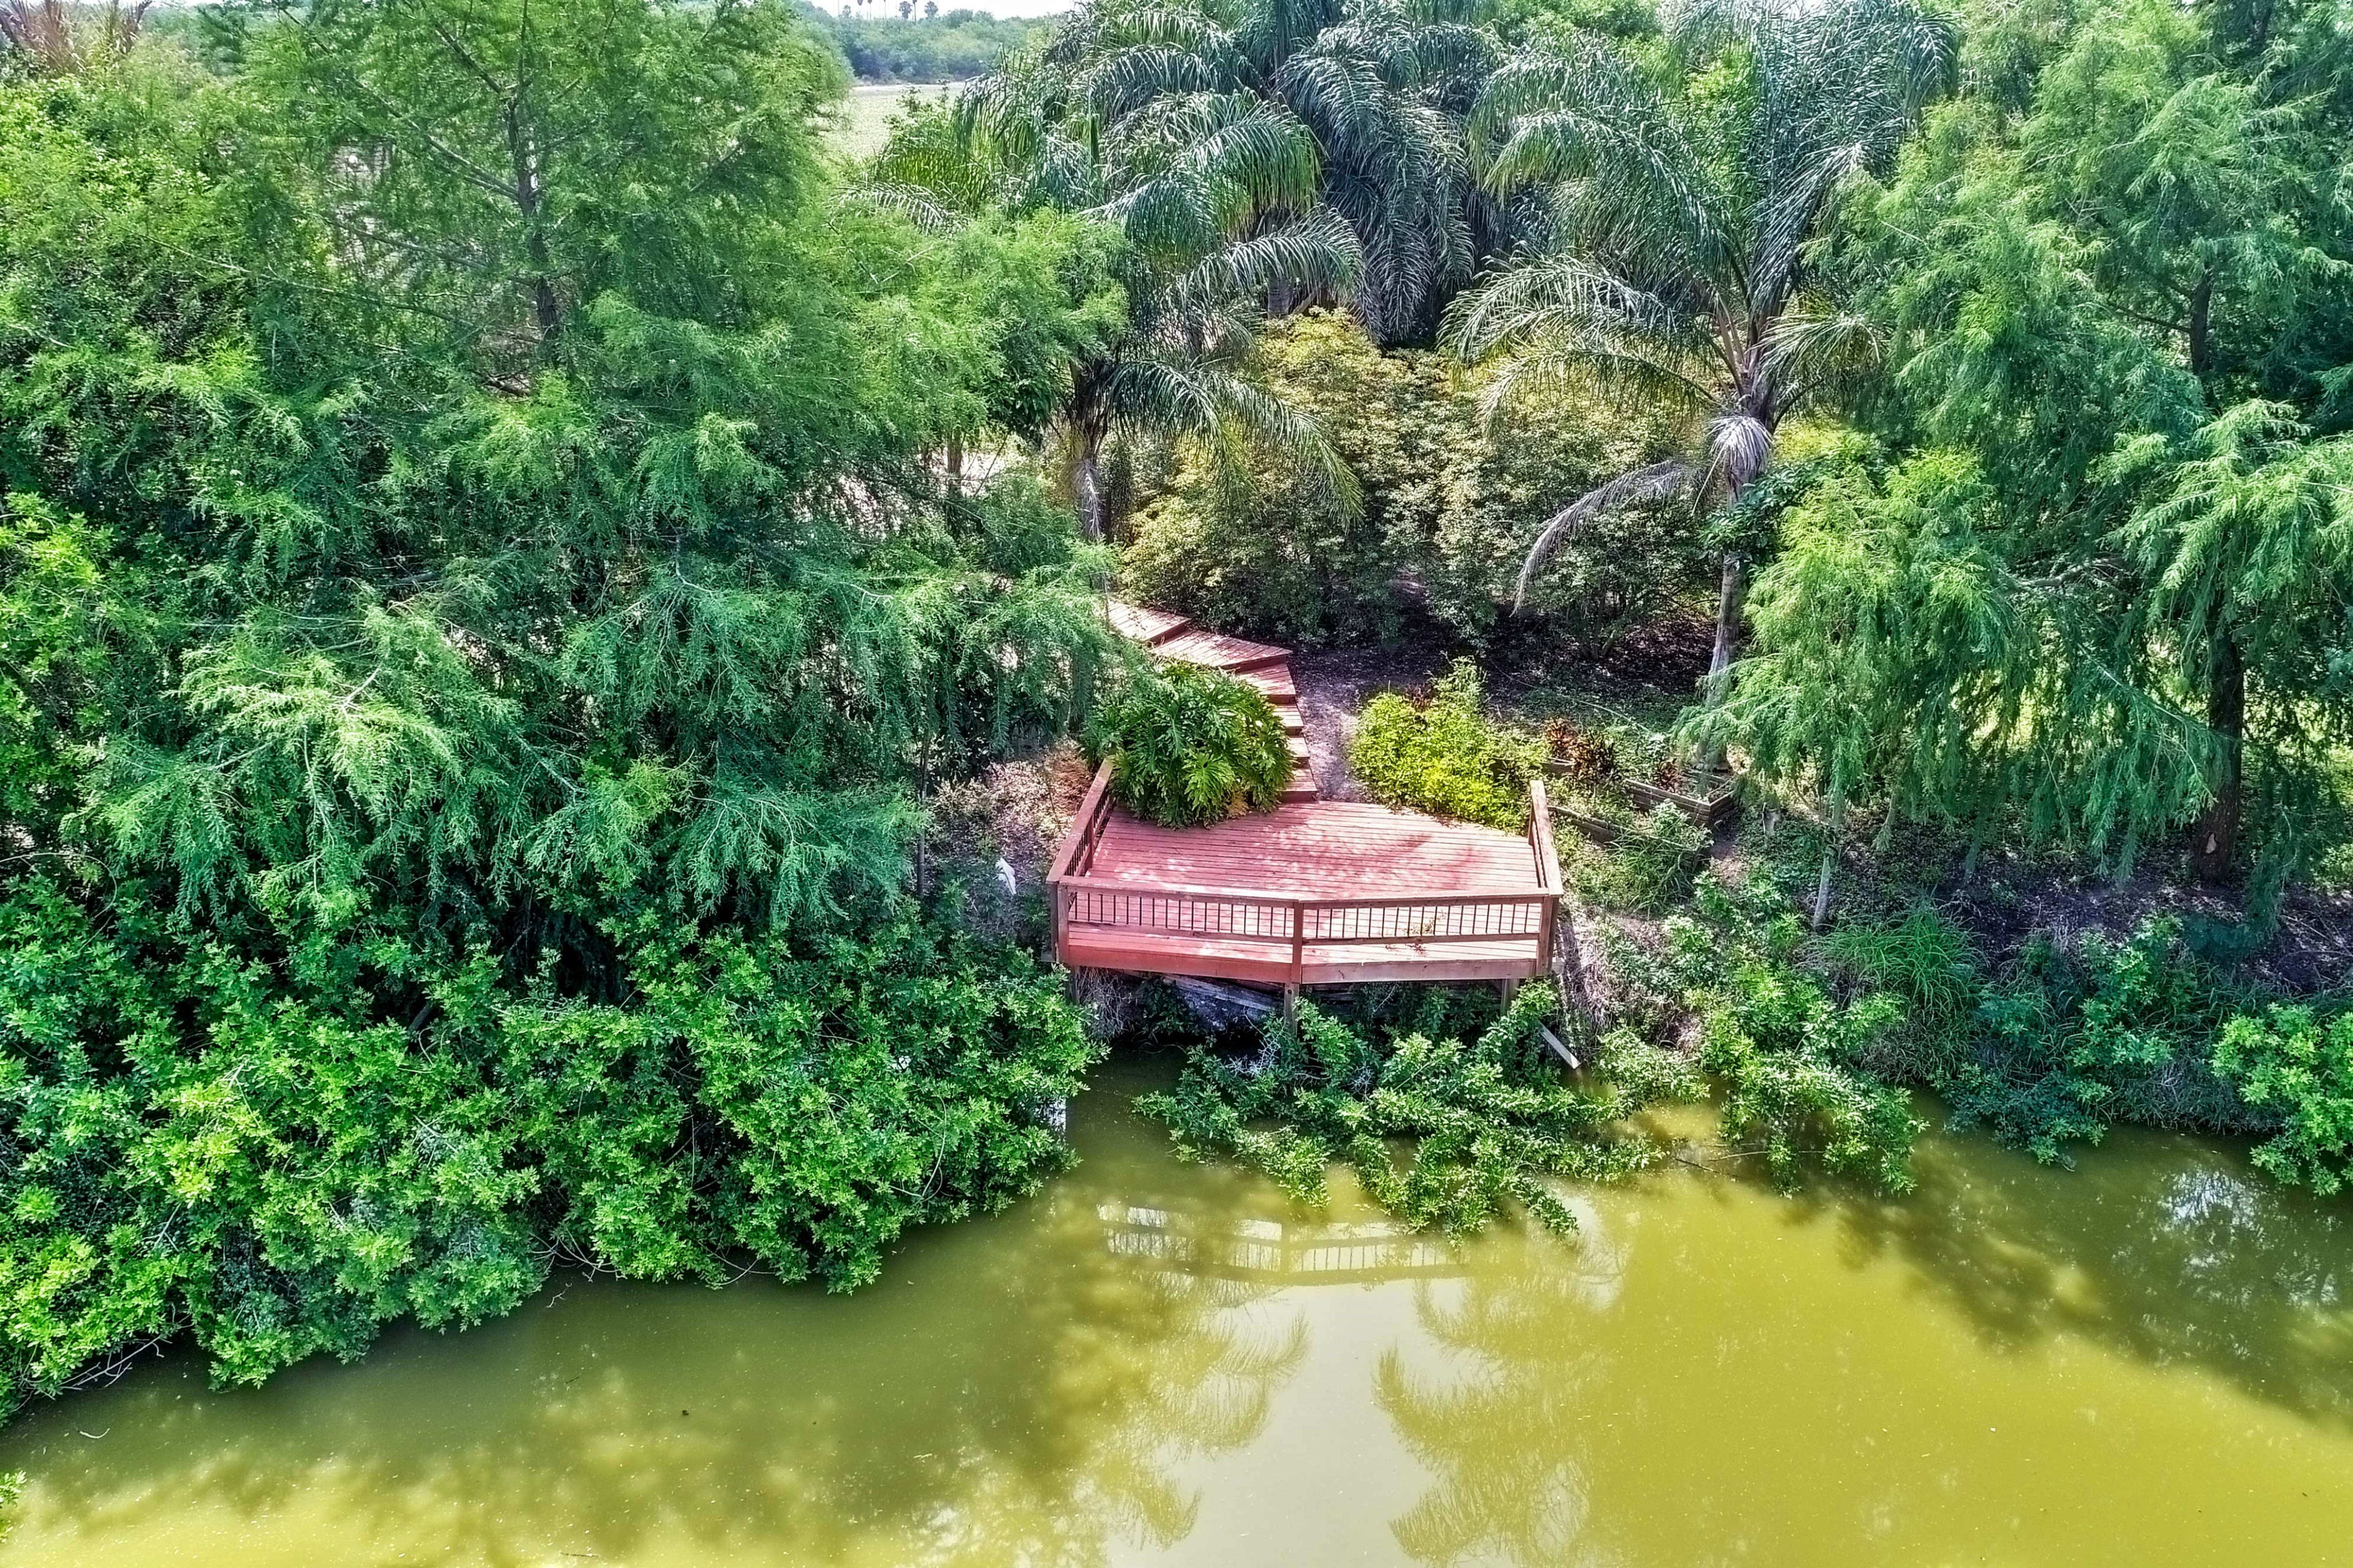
x=956, y=465
x=1727, y=645
x=546, y=310
x=2216, y=843
x=1727, y=624
x=2202, y=324
x=1086, y=486
x=1830, y=862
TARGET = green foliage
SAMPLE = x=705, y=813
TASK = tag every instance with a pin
x=1648, y=868
x=2117, y=290
x=1785, y=1051
x=1445, y=756
x=1190, y=744
x=476, y=619
x=949, y=46
x=1454, y=490
x=1488, y=1118
x=2076, y=1035
x=280, y=1161
x=2299, y=1064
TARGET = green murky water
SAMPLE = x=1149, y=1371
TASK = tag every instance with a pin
x=2147, y=1362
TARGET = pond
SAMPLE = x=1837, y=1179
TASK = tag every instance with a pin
x=2148, y=1359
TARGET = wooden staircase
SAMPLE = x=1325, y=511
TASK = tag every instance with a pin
x=1257, y=664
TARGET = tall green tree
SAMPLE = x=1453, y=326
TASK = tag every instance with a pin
x=2113, y=285
x=1678, y=201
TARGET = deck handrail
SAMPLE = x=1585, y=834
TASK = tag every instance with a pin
x=1311, y=917
x=1306, y=901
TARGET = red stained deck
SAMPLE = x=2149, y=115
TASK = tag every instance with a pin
x=1256, y=664
x=1313, y=893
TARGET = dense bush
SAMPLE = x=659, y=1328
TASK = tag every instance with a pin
x=1453, y=491
x=1488, y=1117
x=1189, y=746
x=1787, y=1052
x=2298, y=1064
x=282, y=1161
x=1648, y=868
x=2086, y=1033
x=1445, y=756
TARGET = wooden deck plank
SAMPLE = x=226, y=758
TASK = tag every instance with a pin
x=1322, y=848
x=1219, y=651
x=1139, y=624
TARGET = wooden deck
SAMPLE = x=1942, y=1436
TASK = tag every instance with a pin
x=1262, y=665
x=1313, y=893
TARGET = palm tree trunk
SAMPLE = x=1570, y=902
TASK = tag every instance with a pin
x=1734, y=584
x=1086, y=485
x=2217, y=843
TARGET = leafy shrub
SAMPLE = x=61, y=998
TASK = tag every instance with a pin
x=1488, y=1118
x=1277, y=557
x=1189, y=746
x=1786, y=1052
x=2076, y=1035
x=1453, y=492
x=1648, y=868
x=2293, y=1061
x=281, y=1160
x=1932, y=964
x=1445, y=756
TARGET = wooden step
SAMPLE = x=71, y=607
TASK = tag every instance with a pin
x=1274, y=683
x=1147, y=626
x=1219, y=651
x=1302, y=787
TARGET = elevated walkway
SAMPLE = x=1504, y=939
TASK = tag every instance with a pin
x=1262, y=665
x=1316, y=892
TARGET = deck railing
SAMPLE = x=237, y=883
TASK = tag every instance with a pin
x=1280, y=921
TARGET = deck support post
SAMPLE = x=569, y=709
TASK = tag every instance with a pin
x=1291, y=1005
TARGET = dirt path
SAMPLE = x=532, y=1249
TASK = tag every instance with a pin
x=1334, y=687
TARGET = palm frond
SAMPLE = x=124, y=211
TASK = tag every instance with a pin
x=1659, y=481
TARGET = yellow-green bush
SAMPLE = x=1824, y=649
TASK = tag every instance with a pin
x=1445, y=756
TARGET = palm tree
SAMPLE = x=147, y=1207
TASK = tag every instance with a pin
x=1671, y=228
x=1256, y=155
x=1381, y=93
x=1215, y=190
x=54, y=38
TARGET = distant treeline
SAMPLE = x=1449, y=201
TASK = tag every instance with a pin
x=915, y=40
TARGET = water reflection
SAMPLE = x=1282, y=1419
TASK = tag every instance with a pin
x=1018, y=1392
x=2159, y=1249
x=2148, y=1359
x=1502, y=1433
x=2143, y=1361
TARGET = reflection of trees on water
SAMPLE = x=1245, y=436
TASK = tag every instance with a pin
x=2164, y=1249
x=1014, y=1392
x=1506, y=1439
x=1543, y=1414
